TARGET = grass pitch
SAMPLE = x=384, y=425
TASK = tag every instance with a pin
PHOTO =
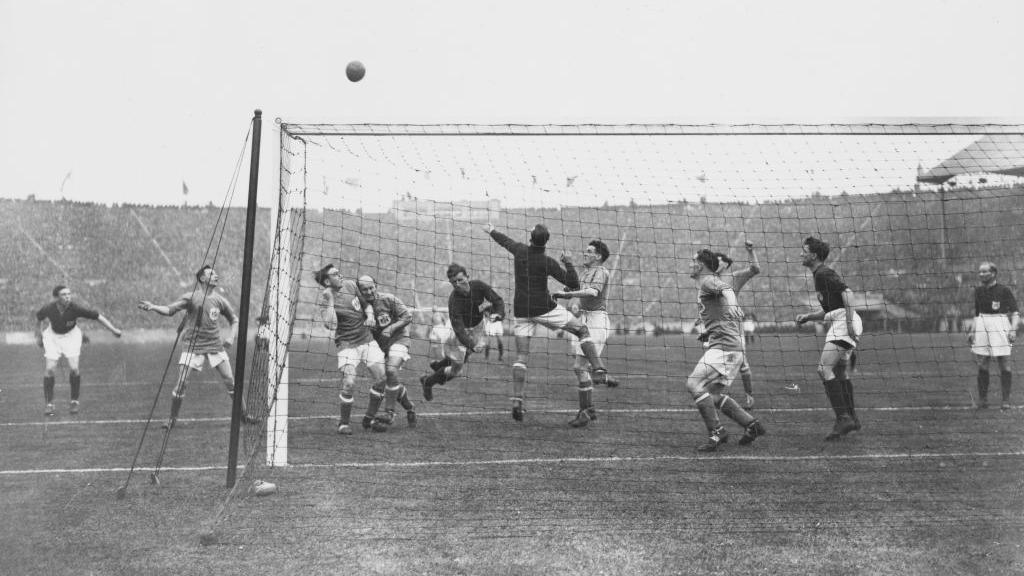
x=929, y=486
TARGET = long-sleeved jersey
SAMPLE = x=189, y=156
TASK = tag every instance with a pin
x=532, y=269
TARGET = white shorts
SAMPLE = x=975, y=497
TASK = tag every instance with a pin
x=726, y=362
x=991, y=335
x=456, y=350
x=196, y=361
x=494, y=328
x=369, y=353
x=837, y=327
x=555, y=319
x=57, y=345
x=597, y=324
x=399, y=351
x=440, y=334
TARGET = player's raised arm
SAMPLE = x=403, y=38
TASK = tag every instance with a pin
x=566, y=276
x=502, y=240
x=325, y=309
x=755, y=266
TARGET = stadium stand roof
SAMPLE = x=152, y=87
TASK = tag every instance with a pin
x=990, y=154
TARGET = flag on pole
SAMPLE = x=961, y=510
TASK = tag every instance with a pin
x=65, y=181
x=184, y=188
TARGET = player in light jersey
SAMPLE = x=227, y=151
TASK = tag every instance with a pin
x=201, y=340
x=720, y=314
x=349, y=317
x=58, y=334
x=593, y=312
x=391, y=331
x=844, y=332
x=995, y=329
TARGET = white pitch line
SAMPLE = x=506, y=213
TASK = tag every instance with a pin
x=580, y=460
x=109, y=470
x=671, y=457
x=45, y=423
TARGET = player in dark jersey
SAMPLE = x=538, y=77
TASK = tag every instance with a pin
x=996, y=318
x=723, y=355
x=391, y=331
x=201, y=341
x=470, y=303
x=57, y=333
x=843, y=335
x=533, y=306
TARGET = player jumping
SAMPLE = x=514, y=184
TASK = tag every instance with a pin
x=469, y=305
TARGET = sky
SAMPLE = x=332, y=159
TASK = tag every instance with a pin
x=117, y=101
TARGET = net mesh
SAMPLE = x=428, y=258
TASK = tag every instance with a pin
x=909, y=211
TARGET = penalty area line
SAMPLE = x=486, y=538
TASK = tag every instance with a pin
x=665, y=458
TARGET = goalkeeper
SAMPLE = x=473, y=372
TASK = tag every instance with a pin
x=533, y=306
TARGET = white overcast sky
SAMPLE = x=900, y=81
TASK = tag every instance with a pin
x=132, y=98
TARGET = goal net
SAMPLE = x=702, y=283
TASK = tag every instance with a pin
x=910, y=211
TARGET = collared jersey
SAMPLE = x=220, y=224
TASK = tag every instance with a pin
x=829, y=288
x=464, y=309
x=64, y=319
x=202, y=312
x=721, y=325
x=350, y=314
x=595, y=277
x=994, y=299
x=387, y=310
x=532, y=269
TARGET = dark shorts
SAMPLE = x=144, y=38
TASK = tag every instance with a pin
x=842, y=344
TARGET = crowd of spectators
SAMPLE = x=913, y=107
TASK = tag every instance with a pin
x=113, y=255
x=918, y=250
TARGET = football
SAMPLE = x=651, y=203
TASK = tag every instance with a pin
x=261, y=488
x=355, y=71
